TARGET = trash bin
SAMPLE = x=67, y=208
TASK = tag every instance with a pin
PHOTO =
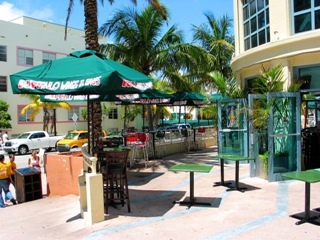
x=28, y=184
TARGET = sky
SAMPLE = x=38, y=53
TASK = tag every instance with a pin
x=183, y=13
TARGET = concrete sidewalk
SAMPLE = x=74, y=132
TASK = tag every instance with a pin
x=261, y=212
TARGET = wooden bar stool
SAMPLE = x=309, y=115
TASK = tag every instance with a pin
x=115, y=179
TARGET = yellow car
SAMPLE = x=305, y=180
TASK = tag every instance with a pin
x=74, y=139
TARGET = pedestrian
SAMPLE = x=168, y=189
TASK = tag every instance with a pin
x=5, y=137
x=12, y=167
x=5, y=180
x=34, y=161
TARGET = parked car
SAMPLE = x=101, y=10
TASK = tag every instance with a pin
x=176, y=129
x=28, y=141
x=180, y=126
x=74, y=139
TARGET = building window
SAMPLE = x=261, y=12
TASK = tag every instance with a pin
x=3, y=84
x=113, y=114
x=25, y=57
x=250, y=84
x=256, y=28
x=306, y=15
x=74, y=111
x=24, y=117
x=46, y=57
x=3, y=53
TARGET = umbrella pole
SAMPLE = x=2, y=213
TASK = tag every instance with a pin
x=142, y=118
x=88, y=124
x=162, y=116
x=54, y=122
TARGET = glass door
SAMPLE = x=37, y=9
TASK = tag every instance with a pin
x=232, y=127
x=284, y=131
x=258, y=134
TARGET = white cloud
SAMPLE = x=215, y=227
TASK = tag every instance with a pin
x=8, y=12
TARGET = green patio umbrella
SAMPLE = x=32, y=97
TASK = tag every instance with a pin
x=187, y=98
x=214, y=98
x=80, y=73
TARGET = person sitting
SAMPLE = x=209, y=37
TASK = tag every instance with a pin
x=34, y=161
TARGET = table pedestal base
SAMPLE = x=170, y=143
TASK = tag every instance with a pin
x=187, y=202
x=236, y=188
x=314, y=218
x=225, y=184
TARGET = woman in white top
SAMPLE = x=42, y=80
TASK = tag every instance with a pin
x=35, y=161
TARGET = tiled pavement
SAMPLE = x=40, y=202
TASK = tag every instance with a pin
x=261, y=212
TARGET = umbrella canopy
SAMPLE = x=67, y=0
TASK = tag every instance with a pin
x=150, y=96
x=81, y=73
x=187, y=98
x=214, y=98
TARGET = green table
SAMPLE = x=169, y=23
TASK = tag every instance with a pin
x=237, y=159
x=191, y=167
x=310, y=176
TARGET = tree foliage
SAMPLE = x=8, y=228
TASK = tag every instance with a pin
x=5, y=117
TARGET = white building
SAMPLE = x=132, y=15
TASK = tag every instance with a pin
x=27, y=42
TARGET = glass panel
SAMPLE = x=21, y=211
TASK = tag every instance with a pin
x=302, y=23
x=254, y=41
x=253, y=24
x=261, y=20
x=246, y=29
x=247, y=44
x=316, y=3
x=267, y=15
x=245, y=13
x=284, y=124
x=3, y=84
x=300, y=5
x=317, y=19
x=253, y=8
x=285, y=159
x=260, y=4
x=262, y=37
x=268, y=34
x=3, y=53
x=233, y=141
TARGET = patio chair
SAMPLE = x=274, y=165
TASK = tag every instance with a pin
x=200, y=137
x=115, y=180
x=131, y=140
x=143, y=144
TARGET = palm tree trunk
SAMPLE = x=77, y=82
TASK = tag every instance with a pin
x=92, y=43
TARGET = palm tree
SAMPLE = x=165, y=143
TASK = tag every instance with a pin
x=92, y=43
x=39, y=106
x=141, y=44
x=215, y=37
x=228, y=87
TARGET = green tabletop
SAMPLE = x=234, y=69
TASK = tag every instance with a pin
x=310, y=176
x=191, y=167
x=231, y=157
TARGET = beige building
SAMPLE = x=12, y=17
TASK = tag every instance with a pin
x=27, y=42
x=273, y=32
